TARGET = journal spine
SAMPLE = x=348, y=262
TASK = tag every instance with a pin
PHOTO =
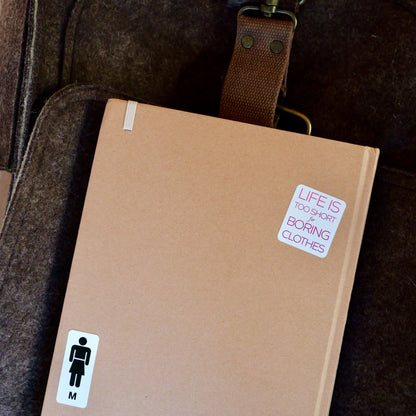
x=356, y=231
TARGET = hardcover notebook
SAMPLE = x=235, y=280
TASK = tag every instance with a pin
x=213, y=269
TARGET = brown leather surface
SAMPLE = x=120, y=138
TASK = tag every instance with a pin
x=256, y=75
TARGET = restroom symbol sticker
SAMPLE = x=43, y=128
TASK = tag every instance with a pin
x=77, y=369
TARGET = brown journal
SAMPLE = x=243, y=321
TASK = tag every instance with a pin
x=213, y=269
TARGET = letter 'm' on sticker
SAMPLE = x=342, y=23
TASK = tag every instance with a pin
x=311, y=221
x=77, y=369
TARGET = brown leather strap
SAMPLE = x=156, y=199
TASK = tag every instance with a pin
x=257, y=72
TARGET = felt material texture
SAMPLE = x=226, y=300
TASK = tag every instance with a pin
x=352, y=59
x=12, y=31
x=376, y=373
x=352, y=72
x=180, y=52
x=37, y=241
x=45, y=27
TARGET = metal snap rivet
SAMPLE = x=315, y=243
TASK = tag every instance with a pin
x=276, y=46
x=247, y=41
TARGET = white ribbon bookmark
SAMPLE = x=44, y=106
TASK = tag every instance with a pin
x=130, y=114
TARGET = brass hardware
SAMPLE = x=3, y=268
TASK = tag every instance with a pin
x=247, y=41
x=269, y=7
x=245, y=9
x=297, y=114
x=276, y=46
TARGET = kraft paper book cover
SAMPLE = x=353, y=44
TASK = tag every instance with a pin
x=213, y=269
x=5, y=180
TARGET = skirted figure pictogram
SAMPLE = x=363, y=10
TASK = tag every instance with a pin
x=80, y=358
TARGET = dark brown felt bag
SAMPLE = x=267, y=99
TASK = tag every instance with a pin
x=351, y=71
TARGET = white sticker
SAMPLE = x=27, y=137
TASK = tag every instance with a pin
x=129, y=115
x=77, y=368
x=311, y=221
